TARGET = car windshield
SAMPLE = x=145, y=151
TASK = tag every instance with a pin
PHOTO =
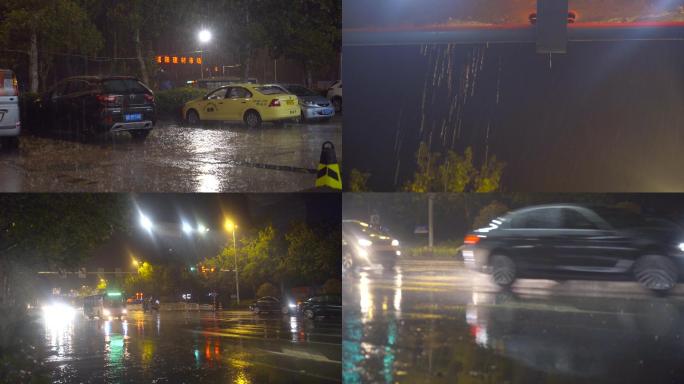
x=300, y=91
x=270, y=90
x=123, y=86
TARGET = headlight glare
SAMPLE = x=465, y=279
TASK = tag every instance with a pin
x=365, y=242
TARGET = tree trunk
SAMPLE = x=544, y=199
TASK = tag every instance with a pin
x=33, y=61
x=141, y=59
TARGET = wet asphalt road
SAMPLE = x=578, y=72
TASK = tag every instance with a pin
x=430, y=321
x=215, y=158
x=194, y=347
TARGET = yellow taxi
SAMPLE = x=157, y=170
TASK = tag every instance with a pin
x=250, y=103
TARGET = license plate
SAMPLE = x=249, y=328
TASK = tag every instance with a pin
x=327, y=111
x=133, y=117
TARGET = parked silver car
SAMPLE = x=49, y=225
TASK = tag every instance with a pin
x=10, y=123
x=313, y=106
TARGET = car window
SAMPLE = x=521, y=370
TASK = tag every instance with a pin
x=621, y=218
x=239, y=93
x=300, y=91
x=270, y=90
x=123, y=86
x=218, y=94
x=572, y=219
x=543, y=218
x=8, y=84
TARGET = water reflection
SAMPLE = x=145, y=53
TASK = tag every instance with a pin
x=580, y=337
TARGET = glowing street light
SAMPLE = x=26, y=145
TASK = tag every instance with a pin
x=136, y=262
x=230, y=226
x=204, y=36
x=145, y=222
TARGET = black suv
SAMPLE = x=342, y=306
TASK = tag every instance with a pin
x=568, y=241
x=321, y=305
x=88, y=105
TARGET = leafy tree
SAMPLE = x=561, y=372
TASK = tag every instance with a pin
x=489, y=177
x=358, y=181
x=310, y=255
x=455, y=173
x=47, y=27
x=260, y=253
x=425, y=177
x=308, y=31
x=53, y=231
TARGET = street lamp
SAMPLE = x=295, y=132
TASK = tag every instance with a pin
x=204, y=37
x=145, y=222
x=136, y=262
x=231, y=227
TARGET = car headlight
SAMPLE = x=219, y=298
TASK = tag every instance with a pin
x=681, y=247
x=124, y=311
x=365, y=242
x=106, y=312
x=395, y=243
x=292, y=305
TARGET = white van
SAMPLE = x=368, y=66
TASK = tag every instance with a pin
x=10, y=124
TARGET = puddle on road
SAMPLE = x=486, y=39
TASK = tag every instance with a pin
x=174, y=158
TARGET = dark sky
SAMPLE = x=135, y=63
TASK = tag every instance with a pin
x=249, y=211
x=604, y=117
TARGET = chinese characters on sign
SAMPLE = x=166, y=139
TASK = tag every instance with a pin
x=178, y=60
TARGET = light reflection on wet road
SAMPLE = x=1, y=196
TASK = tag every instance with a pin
x=431, y=321
x=217, y=158
x=178, y=347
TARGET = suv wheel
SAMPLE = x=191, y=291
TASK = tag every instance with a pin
x=503, y=270
x=655, y=272
x=252, y=119
x=309, y=314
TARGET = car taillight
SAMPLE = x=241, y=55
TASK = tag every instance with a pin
x=149, y=98
x=106, y=99
x=471, y=239
x=274, y=103
x=15, y=85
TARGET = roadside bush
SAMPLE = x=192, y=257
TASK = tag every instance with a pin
x=170, y=102
x=332, y=287
x=267, y=289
